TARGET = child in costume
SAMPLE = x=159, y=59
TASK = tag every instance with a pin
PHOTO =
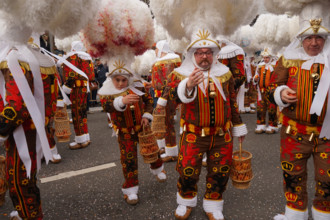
x=130, y=108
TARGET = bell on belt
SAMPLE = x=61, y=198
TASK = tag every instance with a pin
x=132, y=107
x=221, y=133
x=311, y=138
x=184, y=128
x=288, y=129
x=203, y=133
x=132, y=131
x=315, y=76
x=212, y=90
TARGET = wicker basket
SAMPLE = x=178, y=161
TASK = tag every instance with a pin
x=158, y=124
x=148, y=145
x=62, y=125
x=241, y=170
x=3, y=180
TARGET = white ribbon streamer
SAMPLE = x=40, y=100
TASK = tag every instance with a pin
x=138, y=84
x=322, y=89
x=319, y=99
x=203, y=85
x=325, y=131
x=30, y=102
x=68, y=64
x=23, y=149
x=18, y=134
x=259, y=93
x=65, y=97
x=2, y=88
x=38, y=94
x=240, y=98
x=218, y=85
x=136, y=91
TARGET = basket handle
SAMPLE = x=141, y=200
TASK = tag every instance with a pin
x=240, y=150
x=145, y=128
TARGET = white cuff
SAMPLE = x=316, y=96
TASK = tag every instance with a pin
x=161, y=143
x=81, y=139
x=119, y=105
x=157, y=170
x=187, y=202
x=212, y=205
x=182, y=90
x=296, y=214
x=3, y=139
x=130, y=190
x=54, y=150
x=148, y=116
x=66, y=89
x=161, y=101
x=60, y=103
x=320, y=215
x=277, y=96
x=239, y=130
x=171, y=151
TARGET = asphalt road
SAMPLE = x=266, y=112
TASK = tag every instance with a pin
x=96, y=193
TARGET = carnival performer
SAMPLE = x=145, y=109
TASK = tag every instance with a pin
x=130, y=108
x=76, y=85
x=18, y=123
x=232, y=56
x=165, y=62
x=206, y=90
x=251, y=94
x=262, y=78
x=50, y=131
x=300, y=86
x=28, y=86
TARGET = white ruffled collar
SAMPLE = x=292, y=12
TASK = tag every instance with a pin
x=169, y=56
x=109, y=88
x=81, y=54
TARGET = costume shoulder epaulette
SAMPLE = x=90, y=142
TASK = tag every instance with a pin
x=175, y=60
x=290, y=63
x=225, y=77
x=177, y=75
x=44, y=70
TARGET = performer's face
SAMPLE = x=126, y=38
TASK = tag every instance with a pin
x=313, y=45
x=120, y=82
x=267, y=59
x=204, y=58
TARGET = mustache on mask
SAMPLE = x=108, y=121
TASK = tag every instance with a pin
x=205, y=60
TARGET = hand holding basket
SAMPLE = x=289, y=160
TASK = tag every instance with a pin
x=241, y=169
x=148, y=144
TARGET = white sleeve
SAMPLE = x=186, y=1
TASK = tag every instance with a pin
x=277, y=96
x=239, y=130
x=182, y=92
x=119, y=105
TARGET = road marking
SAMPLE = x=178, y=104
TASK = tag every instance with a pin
x=76, y=173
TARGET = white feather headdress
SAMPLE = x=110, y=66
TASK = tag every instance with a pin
x=120, y=29
x=183, y=18
x=61, y=17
